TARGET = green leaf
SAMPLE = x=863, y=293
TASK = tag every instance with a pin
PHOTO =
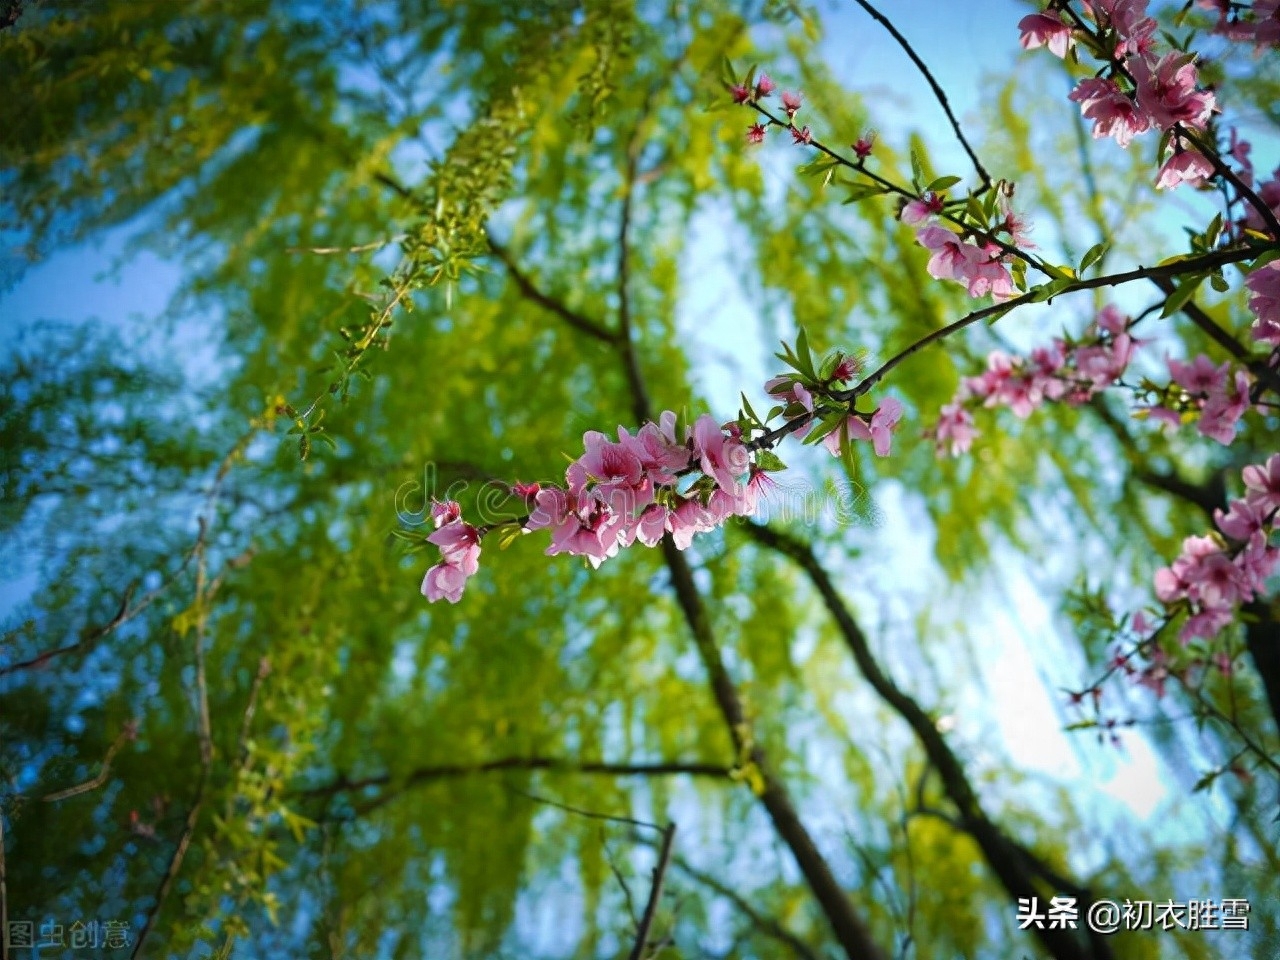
x=804, y=359
x=862, y=191
x=769, y=461
x=942, y=183
x=1093, y=255
x=917, y=168
x=1184, y=292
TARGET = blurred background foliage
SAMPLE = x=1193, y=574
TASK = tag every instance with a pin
x=230, y=719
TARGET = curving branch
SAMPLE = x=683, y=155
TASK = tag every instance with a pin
x=1004, y=855
x=532, y=292
x=933, y=85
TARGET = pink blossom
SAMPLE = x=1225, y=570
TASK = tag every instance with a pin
x=1262, y=484
x=801, y=136
x=1105, y=363
x=1207, y=624
x=790, y=103
x=612, y=471
x=1239, y=150
x=1256, y=563
x=918, y=211
x=740, y=93
x=1114, y=114
x=1184, y=166
x=1269, y=193
x=755, y=133
x=661, y=456
x=846, y=369
x=650, y=525
x=1167, y=91
x=980, y=268
x=1126, y=17
x=722, y=458
x=1264, y=301
x=1241, y=521
x=526, y=490
x=1170, y=418
x=954, y=432
x=1223, y=410
x=879, y=430
x=459, y=544
x=445, y=512
x=444, y=581
x=1045, y=30
x=863, y=146
x=1015, y=224
x=1200, y=375
x=688, y=519
x=764, y=86
x=1215, y=581
x=1154, y=676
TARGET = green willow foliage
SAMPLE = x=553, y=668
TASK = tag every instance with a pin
x=230, y=719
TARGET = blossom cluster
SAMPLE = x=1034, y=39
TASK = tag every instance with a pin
x=1068, y=371
x=1259, y=25
x=1216, y=393
x=1142, y=90
x=459, y=544
x=1219, y=571
x=661, y=481
x=1263, y=285
x=980, y=264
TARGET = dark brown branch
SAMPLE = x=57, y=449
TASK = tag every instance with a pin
x=655, y=893
x=90, y=635
x=530, y=291
x=933, y=85
x=1001, y=853
x=446, y=771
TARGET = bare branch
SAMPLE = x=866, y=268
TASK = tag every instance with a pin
x=446, y=771
x=655, y=892
x=530, y=291
x=93, y=783
x=933, y=85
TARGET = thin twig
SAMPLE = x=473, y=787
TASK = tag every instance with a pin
x=93, y=783
x=622, y=881
x=1191, y=265
x=580, y=812
x=767, y=925
x=360, y=248
x=933, y=84
x=532, y=292
x=655, y=892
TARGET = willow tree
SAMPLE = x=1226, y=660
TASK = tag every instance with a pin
x=429, y=246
